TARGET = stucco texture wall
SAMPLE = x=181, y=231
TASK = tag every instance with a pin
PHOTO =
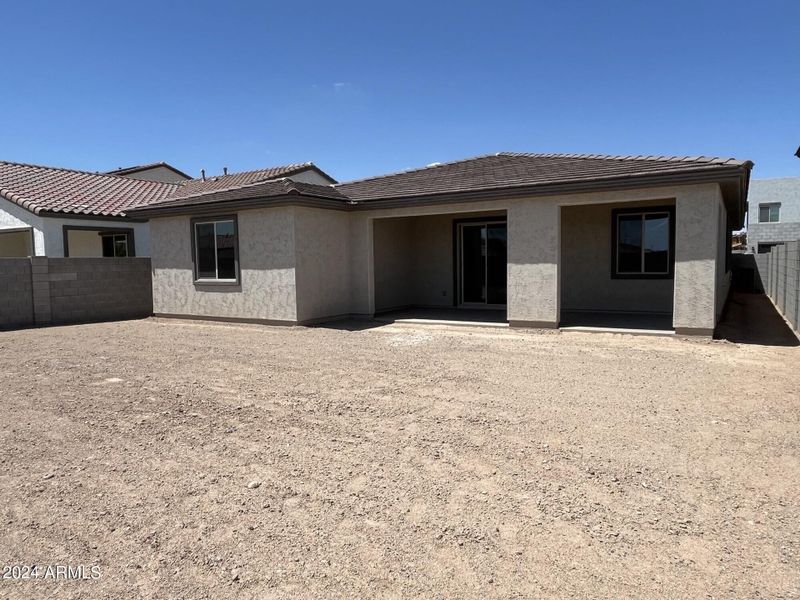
x=696, y=252
x=414, y=261
x=267, y=260
x=48, y=232
x=15, y=244
x=586, y=282
x=14, y=217
x=302, y=264
x=322, y=269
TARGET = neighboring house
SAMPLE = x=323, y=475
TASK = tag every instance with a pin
x=47, y=211
x=550, y=239
x=773, y=215
x=159, y=171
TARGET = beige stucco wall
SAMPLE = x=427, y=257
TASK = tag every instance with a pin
x=310, y=176
x=393, y=263
x=14, y=217
x=413, y=259
x=85, y=243
x=267, y=260
x=322, y=269
x=48, y=232
x=722, y=268
x=159, y=173
x=15, y=244
x=302, y=264
x=586, y=282
x=696, y=248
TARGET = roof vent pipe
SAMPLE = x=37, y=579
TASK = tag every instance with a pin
x=203, y=174
x=224, y=170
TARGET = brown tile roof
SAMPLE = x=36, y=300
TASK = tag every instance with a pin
x=67, y=191
x=237, y=180
x=506, y=170
x=277, y=188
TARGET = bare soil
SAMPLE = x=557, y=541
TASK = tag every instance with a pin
x=196, y=460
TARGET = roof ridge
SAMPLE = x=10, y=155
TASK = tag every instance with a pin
x=632, y=157
x=219, y=190
x=81, y=172
x=290, y=166
x=416, y=169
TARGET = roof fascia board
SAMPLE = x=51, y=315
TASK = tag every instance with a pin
x=220, y=206
x=736, y=174
x=84, y=216
x=555, y=189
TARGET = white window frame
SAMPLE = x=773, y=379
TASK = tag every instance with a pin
x=196, y=250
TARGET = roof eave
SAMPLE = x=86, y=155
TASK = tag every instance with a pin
x=223, y=206
x=738, y=173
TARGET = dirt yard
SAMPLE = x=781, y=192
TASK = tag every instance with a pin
x=192, y=460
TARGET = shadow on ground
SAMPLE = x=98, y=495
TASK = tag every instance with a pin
x=751, y=318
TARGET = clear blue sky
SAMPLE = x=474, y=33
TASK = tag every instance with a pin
x=362, y=88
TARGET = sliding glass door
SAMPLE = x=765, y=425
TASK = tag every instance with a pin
x=482, y=264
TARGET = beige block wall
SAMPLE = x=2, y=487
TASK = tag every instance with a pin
x=267, y=260
x=586, y=282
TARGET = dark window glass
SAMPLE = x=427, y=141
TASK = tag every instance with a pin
x=473, y=255
x=656, y=243
x=769, y=213
x=108, y=246
x=226, y=257
x=629, y=244
x=496, y=264
x=121, y=246
x=115, y=246
x=643, y=243
x=215, y=250
x=206, y=254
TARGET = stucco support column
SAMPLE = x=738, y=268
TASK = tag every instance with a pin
x=362, y=278
x=534, y=248
x=696, y=240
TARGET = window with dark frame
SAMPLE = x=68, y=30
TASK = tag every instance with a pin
x=215, y=248
x=115, y=245
x=769, y=213
x=643, y=243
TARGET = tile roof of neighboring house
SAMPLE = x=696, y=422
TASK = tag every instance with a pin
x=276, y=188
x=67, y=191
x=41, y=189
x=506, y=170
x=243, y=178
x=147, y=167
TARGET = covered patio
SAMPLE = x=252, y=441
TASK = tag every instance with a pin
x=617, y=266
x=441, y=267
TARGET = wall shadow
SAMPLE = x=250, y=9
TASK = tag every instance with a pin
x=750, y=318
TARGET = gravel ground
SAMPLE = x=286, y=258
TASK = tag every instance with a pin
x=196, y=460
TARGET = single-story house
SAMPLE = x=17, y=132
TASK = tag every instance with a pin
x=550, y=239
x=48, y=211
